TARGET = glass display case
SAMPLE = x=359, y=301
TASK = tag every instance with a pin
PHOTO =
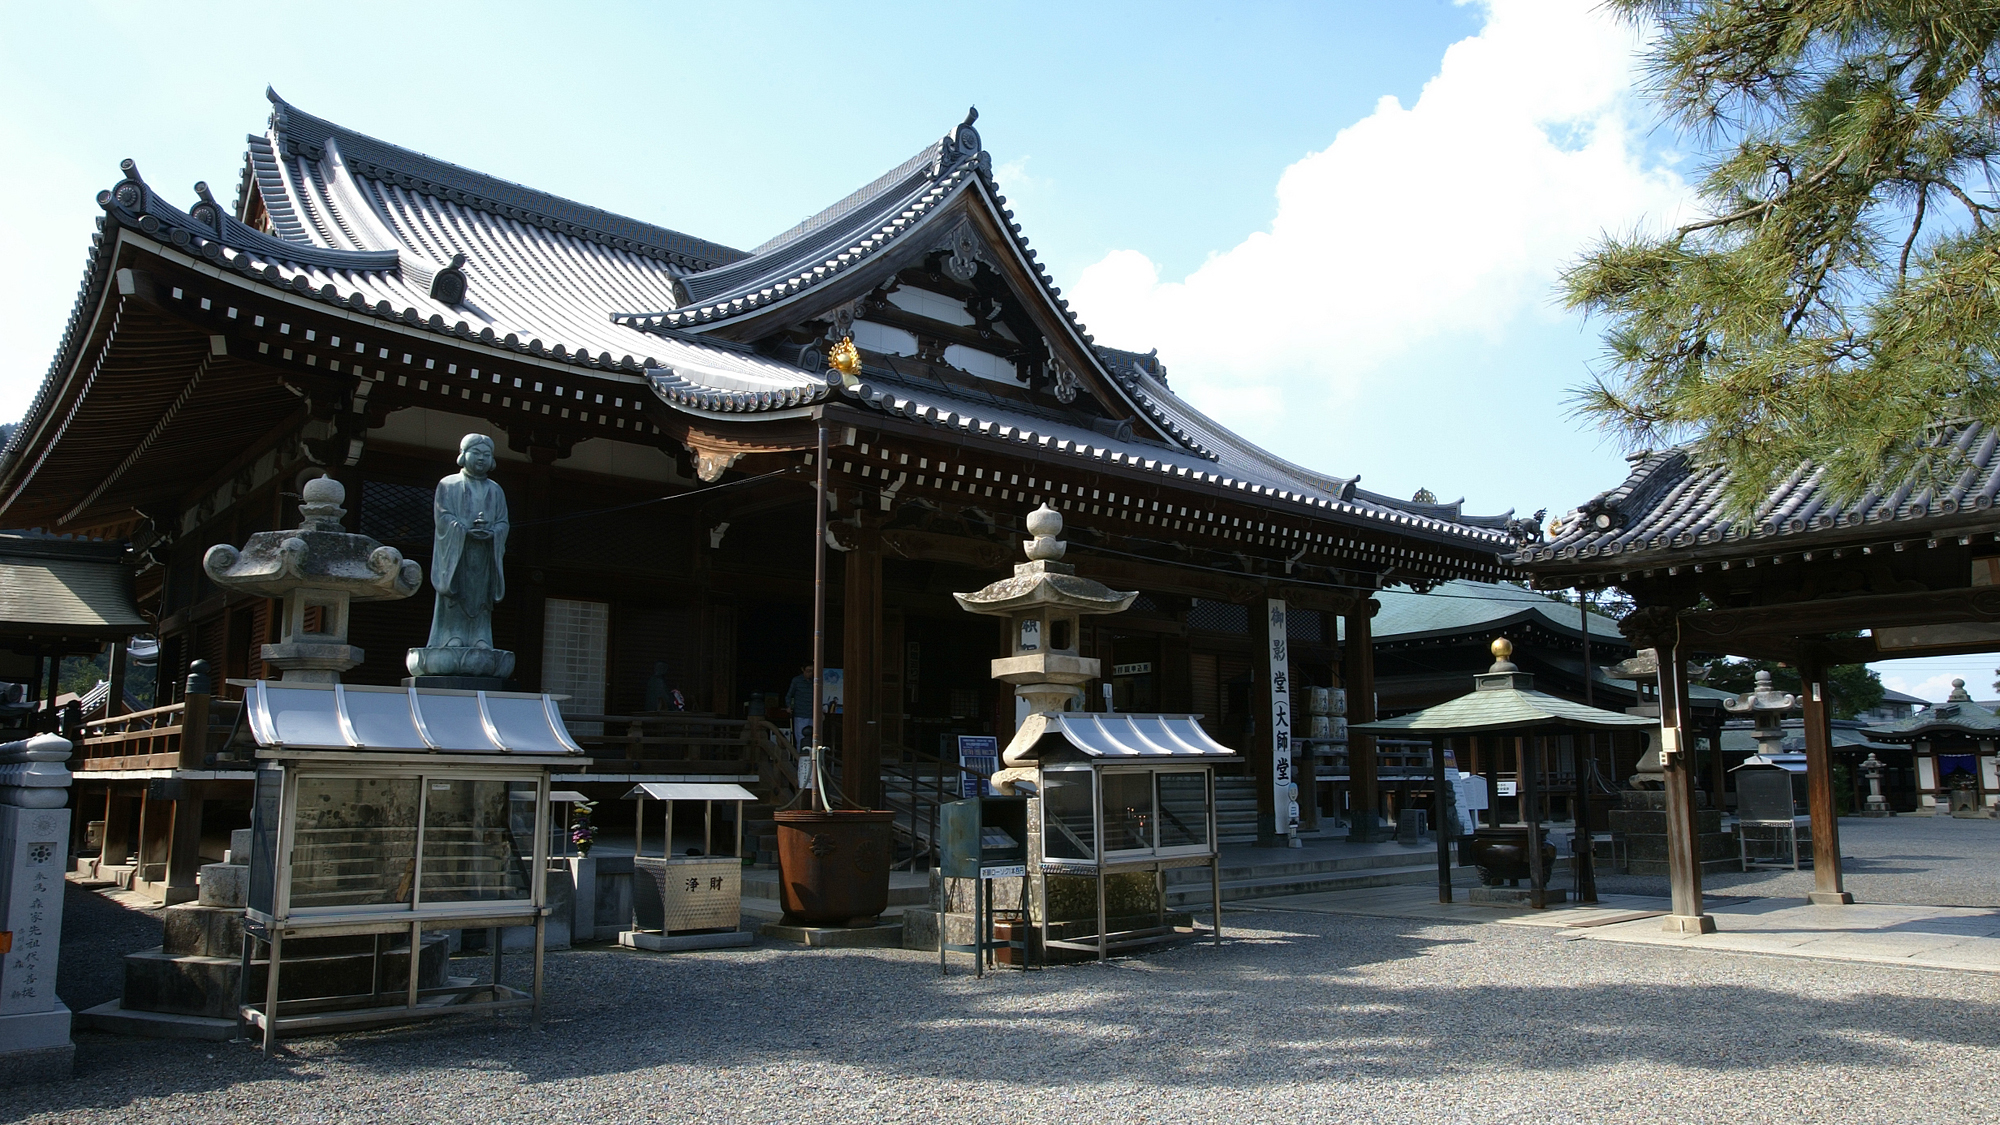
x=1124, y=794
x=392, y=811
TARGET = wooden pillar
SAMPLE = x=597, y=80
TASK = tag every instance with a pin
x=184, y=845
x=114, y=704
x=1677, y=758
x=117, y=842
x=1528, y=791
x=156, y=824
x=1261, y=753
x=1440, y=831
x=1357, y=671
x=861, y=676
x=1827, y=884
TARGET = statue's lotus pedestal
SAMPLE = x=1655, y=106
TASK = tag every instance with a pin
x=467, y=668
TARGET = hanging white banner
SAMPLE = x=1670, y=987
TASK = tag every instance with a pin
x=1286, y=820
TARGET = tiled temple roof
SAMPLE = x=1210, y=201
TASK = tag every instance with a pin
x=384, y=232
x=1668, y=506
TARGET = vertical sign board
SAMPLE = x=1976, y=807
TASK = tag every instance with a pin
x=980, y=752
x=1286, y=809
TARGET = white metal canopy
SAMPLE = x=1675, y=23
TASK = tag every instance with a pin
x=1102, y=735
x=689, y=791
x=305, y=716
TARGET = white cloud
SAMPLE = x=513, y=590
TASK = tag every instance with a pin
x=1435, y=222
x=1930, y=677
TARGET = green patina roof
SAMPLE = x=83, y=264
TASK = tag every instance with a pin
x=1956, y=715
x=1504, y=701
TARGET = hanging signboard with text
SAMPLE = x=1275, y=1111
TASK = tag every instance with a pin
x=1286, y=808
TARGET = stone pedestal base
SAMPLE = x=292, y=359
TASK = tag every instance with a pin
x=1512, y=896
x=881, y=936
x=35, y=1047
x=1640, y=827
x=457, y=683
x=1830, y=898
x=654, y=942
x=1688, y=924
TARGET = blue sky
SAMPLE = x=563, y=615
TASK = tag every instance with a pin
x=1339, y=221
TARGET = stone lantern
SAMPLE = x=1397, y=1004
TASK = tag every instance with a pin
x=1043, y=602
x=1768, y=707
x=1873, y=768
x=317, y=566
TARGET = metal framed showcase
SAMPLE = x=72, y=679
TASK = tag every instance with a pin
x=1125, y=794
x=388, y=812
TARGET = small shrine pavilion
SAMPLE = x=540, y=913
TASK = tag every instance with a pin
x=1958, y=772
x=1814, y=579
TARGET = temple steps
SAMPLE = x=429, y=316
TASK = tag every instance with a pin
x=1189, y=886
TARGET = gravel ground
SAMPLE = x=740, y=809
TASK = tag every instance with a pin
x=1915, y=860
x=97, y=933
x=1297, y=1018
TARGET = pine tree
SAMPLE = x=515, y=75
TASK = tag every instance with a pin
x=1840, y=301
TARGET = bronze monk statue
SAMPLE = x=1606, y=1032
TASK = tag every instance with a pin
x=469, y=551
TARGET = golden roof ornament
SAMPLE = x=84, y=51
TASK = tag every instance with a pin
x=845, y=358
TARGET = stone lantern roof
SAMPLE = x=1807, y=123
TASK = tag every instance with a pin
x=1044, y=581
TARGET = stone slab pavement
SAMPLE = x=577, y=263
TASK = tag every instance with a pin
x=1965, y=939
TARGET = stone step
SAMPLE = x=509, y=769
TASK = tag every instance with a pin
x=158, y=981
x=1277, y=865
x=1196, y=895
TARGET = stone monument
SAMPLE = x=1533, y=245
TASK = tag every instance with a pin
x=319, y=569
x=469, y=549
x=34, y=846
x=1639, y=823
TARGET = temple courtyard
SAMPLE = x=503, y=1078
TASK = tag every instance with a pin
x=1307, y=1013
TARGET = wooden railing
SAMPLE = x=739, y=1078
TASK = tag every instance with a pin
x=671, y=743
x=178, y=736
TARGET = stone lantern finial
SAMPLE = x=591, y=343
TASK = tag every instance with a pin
x=1045, y=523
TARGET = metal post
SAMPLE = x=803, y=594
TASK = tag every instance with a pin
x=1097, y=852
x=819, y=618
x=541, y=937
x=243, y=989
x=493, y=940
x=1438, y=812
x=416, y=949
x=271, y=993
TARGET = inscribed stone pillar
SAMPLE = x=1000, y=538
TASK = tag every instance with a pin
x=1828, y=889
x=34, y=835
x=1357, y=674
x=861, y=663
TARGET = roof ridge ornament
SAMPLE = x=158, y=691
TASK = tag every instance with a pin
x=207, y=212
x=959, y=145
x=448, y=284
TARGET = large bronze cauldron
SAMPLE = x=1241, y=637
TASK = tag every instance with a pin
x=1501, y=854
x=833, y=867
